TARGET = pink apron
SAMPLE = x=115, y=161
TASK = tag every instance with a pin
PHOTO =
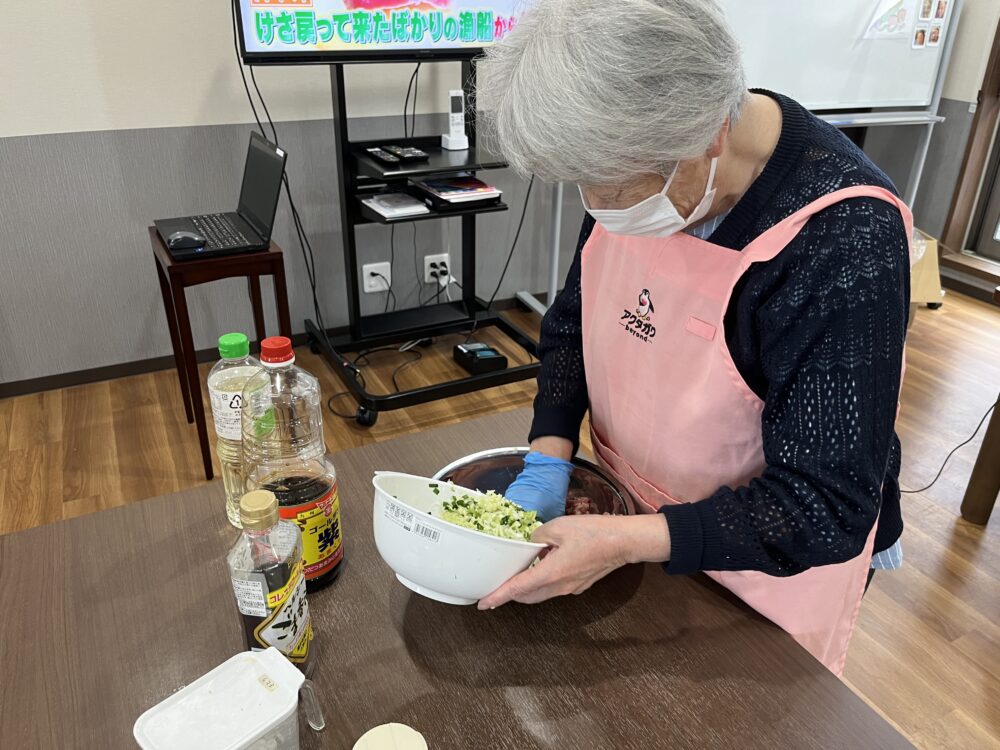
x=673, y=420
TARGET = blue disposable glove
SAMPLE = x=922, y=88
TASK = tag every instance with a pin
x=542, y=485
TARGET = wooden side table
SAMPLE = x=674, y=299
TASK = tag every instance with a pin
x=984, y=484
x=175, y=277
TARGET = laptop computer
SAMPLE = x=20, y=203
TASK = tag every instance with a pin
x=248, y=228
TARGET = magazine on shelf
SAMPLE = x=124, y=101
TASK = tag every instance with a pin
x=459, y=189
x=395, y=205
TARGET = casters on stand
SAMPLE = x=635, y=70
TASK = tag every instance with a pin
x=934, y=305
x=366, y=417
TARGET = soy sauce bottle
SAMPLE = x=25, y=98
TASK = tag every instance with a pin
x=284, y=453
x=266, y=569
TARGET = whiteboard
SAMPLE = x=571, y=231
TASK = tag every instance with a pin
x=815, y=52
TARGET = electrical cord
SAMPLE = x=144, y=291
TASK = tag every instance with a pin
x=416, y=265
x=390, y=295
x=401, y=350
x=263, y=104
x=360, y=379
x=362, y=359
x=308, y=256
x=305, y=245
x=416, y=90
x=510, y=255
x=954, y=450
x=434, y=297
x=395, y=383
x=239, y=64
x=448, y=281
x=406, y=103
x=442, y=281
x=392, y=269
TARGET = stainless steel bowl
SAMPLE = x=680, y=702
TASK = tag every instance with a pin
x=590, y=490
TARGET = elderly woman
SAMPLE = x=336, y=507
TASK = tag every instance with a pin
x=734, y=317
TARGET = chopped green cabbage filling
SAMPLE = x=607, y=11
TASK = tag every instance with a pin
x=491, y=514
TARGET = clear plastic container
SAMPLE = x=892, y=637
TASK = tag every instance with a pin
x=266, y=569
x=248, y=702
x=918, y=248
x=225, y=390
x=284, y=452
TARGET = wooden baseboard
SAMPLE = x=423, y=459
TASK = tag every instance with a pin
x=110, y=372
x=966, y=284
x=973, y=265
x=127, y=369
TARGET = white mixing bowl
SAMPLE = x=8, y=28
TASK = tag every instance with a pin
x=433, y=557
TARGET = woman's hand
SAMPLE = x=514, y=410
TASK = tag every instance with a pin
x=582, y=550
x=542, y=485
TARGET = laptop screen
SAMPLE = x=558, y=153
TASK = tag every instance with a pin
x=261, y=184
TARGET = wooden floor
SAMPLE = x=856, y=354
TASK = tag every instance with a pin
x=926, y=653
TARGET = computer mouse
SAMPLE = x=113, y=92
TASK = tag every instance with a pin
x=184, y=240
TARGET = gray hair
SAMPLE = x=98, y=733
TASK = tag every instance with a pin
x=597, y=92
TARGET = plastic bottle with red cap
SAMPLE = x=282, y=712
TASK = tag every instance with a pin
x=284, y=452
x=277, y=350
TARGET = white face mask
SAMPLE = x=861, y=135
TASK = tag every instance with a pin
x=656, y=216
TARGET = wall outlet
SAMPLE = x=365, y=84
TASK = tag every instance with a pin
x=374, y=284
x=444, y=258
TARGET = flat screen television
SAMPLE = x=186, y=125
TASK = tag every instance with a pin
x=331, y=31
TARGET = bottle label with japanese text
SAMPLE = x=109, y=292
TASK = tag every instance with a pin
x=227, y=409
x=286, y=624
x=251, y=594
x=322, y=539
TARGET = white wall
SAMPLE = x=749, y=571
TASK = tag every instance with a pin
x=976, y=29
x=85, y=65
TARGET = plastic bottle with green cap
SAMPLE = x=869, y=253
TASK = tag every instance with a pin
x=225, y=390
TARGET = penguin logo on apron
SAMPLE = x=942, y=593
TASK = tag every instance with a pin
x=645, y=306
x=638, y=321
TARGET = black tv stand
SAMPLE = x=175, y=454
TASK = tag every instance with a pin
x=358, y=176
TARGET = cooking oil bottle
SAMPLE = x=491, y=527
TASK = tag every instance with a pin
x=284, y=453
x=225, y=389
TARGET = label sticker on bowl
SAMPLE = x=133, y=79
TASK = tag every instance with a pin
x=399, y=515
x=431, y=535
x=405, y=518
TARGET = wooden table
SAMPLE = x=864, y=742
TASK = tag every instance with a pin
x=175, y=277
x=984, y=484
x=105, y=615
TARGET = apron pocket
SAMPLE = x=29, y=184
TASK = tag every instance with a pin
x=649, y=498
x=700, y=328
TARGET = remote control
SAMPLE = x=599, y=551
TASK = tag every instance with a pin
x=383, y=156
x=407, y=153
x=456, y=139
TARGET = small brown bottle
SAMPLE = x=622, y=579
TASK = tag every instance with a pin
x=267, y=572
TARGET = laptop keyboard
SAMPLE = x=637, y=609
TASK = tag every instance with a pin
x=220, y=231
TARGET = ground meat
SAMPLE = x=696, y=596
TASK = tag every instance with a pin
x=581, y=506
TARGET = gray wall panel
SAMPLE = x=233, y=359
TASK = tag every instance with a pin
x=77, y=285
x=892, y=148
